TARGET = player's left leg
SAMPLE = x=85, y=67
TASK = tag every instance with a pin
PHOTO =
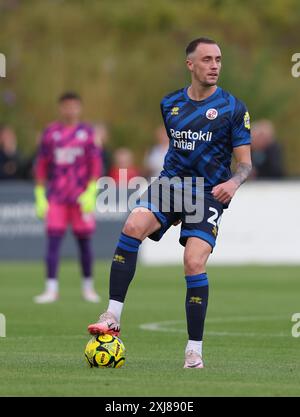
x=199, y=239
x=196, y=254
x=86, y=262
x=84, y=226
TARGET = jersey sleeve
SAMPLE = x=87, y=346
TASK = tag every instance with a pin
x=43, y=157
x=163, y=115
x=240, y=130
x=94, y=157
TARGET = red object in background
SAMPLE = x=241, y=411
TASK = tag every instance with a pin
x=114, y=173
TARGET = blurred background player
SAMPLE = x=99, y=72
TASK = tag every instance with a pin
x=11, y=160
x=67, y=167
x=123, y=158
x=267, y=156
x=154, y=160
x=102, y=140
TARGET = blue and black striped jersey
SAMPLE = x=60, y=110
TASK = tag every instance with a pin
x=203, y=134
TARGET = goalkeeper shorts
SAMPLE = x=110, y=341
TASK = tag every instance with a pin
x=60, y=216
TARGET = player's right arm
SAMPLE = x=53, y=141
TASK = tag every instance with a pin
x=41, y=174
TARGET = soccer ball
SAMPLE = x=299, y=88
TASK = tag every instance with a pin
x=105, y=351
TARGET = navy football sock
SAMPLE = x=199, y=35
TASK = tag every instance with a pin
x=123, y=267
x=196, y=305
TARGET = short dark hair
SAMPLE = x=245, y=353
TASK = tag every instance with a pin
x=193, y=44
x=69, y=95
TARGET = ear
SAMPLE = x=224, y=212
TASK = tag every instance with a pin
x=189, y=64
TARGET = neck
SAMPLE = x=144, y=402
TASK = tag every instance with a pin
x=199, y=92
x=70, y=122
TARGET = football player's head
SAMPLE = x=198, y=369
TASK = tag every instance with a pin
x=203, y=59
x=70, y=107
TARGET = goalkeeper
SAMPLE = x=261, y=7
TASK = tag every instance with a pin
x=67, y=167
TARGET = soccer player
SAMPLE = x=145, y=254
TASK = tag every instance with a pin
x=67, y=167
x=206, y=126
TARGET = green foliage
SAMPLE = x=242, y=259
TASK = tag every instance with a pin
x=123, y=56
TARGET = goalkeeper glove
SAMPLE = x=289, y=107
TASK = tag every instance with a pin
x=87, y=199
x=41, y=202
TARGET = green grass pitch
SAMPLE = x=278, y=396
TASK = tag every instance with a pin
x=248, y=348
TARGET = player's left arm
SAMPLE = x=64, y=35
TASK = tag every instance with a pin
x=240, y=138
x=87, y=199
x=225, y=191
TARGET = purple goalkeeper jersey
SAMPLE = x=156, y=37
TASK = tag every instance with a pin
x=67, y=160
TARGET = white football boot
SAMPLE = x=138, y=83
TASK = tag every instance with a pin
x=46, y=297
x=91, y=296
x=193, y=360
x=107, y=324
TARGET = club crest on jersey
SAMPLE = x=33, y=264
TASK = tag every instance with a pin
x=247, y=120
x=211, y=114
x=82, y=135
x=175, y=111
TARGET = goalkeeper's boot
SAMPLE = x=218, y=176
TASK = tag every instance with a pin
x=193, y=360
x=46, y=297
x=107, y=324
x=90, y=295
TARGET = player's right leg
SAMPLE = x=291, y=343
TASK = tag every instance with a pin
x=56, y=223
x=140, y=224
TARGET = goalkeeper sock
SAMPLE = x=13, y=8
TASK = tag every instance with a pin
x=52, y=285
x=123, y=267
x=52, y=256
x=86, y=256
x=196, y=305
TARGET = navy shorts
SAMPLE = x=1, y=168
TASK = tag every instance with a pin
x=205, y=229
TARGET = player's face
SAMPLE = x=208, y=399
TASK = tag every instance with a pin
x=205, y=64
x=70, y=110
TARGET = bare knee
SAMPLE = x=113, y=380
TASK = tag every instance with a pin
x=195, y=264
x=136, y=226
x=133, y=229
x=141, y=224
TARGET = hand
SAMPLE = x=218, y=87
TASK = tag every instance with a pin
x=87, y=199
x=225, y=191
x=41, y=202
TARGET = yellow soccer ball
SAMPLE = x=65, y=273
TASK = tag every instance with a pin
x=105, y=351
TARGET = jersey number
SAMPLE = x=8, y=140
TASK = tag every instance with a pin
x=212, y=219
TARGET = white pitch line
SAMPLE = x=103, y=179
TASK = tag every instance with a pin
x=168, y=326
